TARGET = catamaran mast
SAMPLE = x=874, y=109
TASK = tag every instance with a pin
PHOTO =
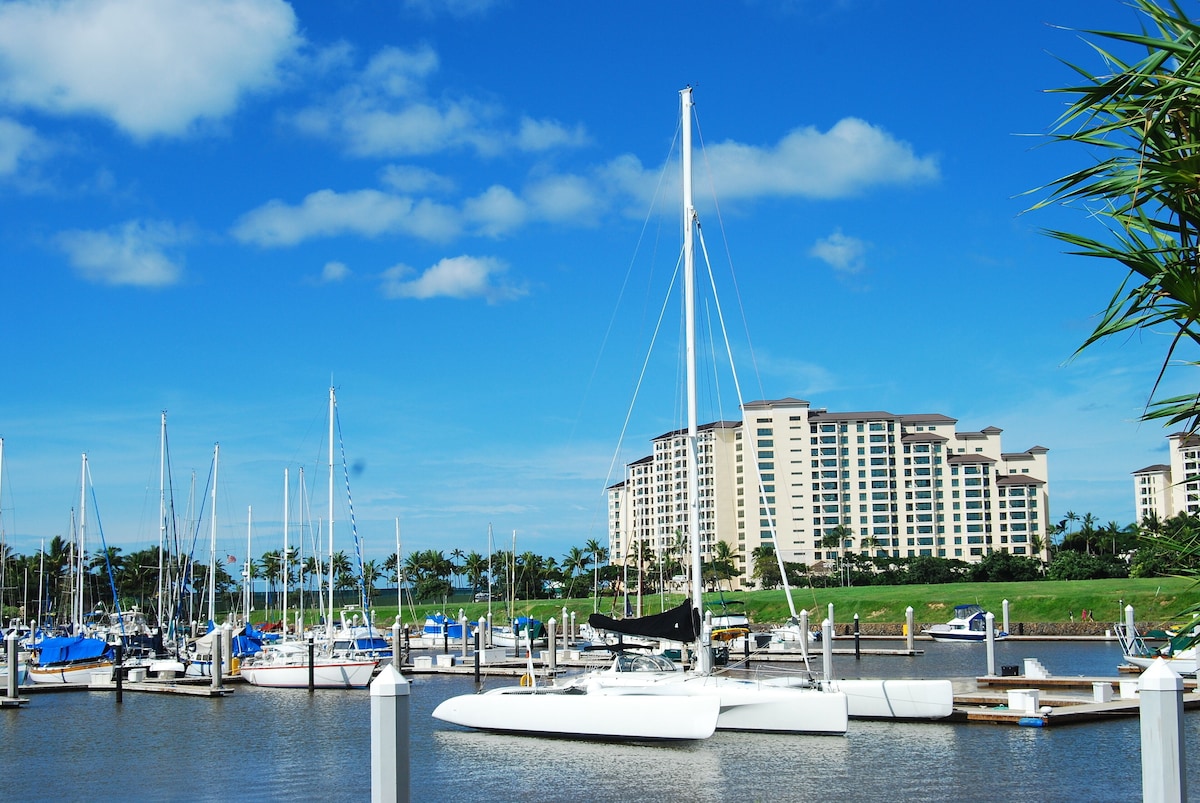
x=689, y=305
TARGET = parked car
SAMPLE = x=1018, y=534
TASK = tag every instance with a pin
x=483, y=596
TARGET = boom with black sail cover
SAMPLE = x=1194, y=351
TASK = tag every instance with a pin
x=678, y=624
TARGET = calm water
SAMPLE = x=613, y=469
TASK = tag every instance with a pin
x=265, y=744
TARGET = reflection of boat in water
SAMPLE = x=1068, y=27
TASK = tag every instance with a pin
x=1179, y=652
x=969, y=624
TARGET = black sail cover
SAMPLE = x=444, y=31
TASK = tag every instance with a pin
x=678, y=624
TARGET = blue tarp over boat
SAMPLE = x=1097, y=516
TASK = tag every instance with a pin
x=72, y=649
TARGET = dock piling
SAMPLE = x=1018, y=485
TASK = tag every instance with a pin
x=857, y=646
x=990, y=623
x=827, y=646
x=390, y=737
x=14, y=673
x=908, y=629
x=1163, y=769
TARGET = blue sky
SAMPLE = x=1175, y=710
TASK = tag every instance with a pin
x=448, y=208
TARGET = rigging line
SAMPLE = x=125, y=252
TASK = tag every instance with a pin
x=642, y=375
x=765, y=509
x=112, y=580
x=362, y=575
x=737, y=292
x=628, y=272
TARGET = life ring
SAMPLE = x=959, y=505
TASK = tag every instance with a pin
x=527, y=679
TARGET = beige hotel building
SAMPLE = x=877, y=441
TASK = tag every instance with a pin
x=906, y=485
x=1164, y=491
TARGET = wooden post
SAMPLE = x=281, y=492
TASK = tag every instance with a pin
x=1164, y=775
x=389, y=737
x=312, y=681
x=119, y=669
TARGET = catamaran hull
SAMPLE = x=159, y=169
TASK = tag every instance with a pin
x=355, y=675
x=600, y=714
x=898, y=699
x=1181, y=665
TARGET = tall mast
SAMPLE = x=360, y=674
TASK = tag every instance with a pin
x=162, y=510
x=689, y=273
x=81, y=551
x=329, y=621
x=212, y=544
x=285, y=552
x=399, y=593
x=246, y=568
x=2, y=566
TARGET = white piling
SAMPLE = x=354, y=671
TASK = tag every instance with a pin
x=397, y=644
x=574, y=632
x=217, y=648
x=804, y=636
x=909, y=636
x=462, y=625
x=14, y=671
x=389, y=737
x=1129, y=629
x=552, y=641
x=565, y=629
x=227, y=639
x=990, y=623
x=830, y=618
x=827, y=647
x=1004, y=605
x=1164, y=776
x=488, y=632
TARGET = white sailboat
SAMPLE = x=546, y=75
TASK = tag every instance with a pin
x=656, y=686
x=286, y=664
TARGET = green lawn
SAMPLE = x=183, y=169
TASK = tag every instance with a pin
x=1154, y=600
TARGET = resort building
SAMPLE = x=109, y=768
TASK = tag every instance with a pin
x=817, y=484
x=1163, y=491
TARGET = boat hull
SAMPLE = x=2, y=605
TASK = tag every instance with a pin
x=596, y=714
x=338, y=675
x=73, y=673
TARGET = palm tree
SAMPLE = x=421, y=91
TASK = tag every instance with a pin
x=599, y=554
x=1142, y=188
x=476, y=567
x=576, y=560
x=456, y=555
x=725, y=563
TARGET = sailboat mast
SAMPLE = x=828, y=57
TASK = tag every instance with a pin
x=399, y=593
x=329, y=621
x=246, y=568
x=285, y=552
x=162, y=510
x=81, y=552
x=212, y=543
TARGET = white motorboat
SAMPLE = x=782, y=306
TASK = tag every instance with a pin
x=285, y=665
x=969, y=624
x=1179, y=652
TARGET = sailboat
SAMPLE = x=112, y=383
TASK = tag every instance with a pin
x=286, y=664
x=741, y=704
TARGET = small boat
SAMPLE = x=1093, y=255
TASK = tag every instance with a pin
x=69, y=659
x=285, y=666
x=969, y=624
x=524, y=632
x=1179, y=652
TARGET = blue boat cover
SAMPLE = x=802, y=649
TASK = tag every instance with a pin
x=72, y=649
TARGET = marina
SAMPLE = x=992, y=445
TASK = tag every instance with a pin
x=290, y=738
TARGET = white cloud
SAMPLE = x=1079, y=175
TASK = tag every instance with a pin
x=454, y=8
x=327, y=213
x=154, y=67
x=455, y=277
x=132, y=254
x=18, y=143
x=410, y=178
x=543, y=135
x=496, y=211
x=849, y=158
x=845, y=254
x=334, y=272
x=562, y=197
